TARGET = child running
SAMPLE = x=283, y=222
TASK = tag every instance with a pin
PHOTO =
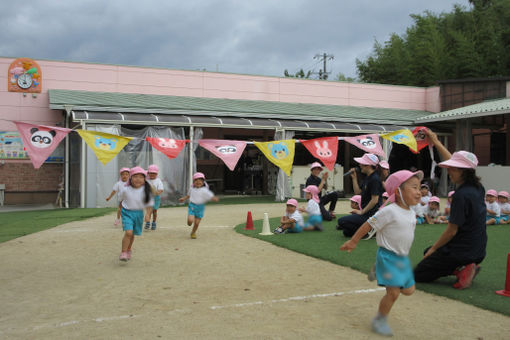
x=292, y=221
x=199, y=194
x=117, y=187
x=493, y=209
x=157, y=185
x=312, y=209
x=395, y=225
x=504, y=207
x=135, y=196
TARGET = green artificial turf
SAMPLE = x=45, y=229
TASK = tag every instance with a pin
x=20, y=223
x=325, y=245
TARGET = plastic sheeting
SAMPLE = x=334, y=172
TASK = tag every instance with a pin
x=283, y=186
x=172, y=172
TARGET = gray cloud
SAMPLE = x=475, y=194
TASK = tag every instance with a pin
x=253, y=37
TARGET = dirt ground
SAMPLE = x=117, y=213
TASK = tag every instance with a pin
x=67, y=282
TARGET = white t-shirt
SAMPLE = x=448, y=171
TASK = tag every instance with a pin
x=156, y=183
x=425, y=200
x=395, y=228
x=431, y=213
x=312, y=208
x=117, y=187
x=200, y=195
x=419, y=210
x=133, y=198
x=296, y=216
x=504, y=207
x=494, y=206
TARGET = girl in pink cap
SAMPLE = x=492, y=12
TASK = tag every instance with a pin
x=355, y=202
x=394, y=225
x=198, y=195
x=157, y=184
x=322, y=183
x=504, y=207
x=124, y=177
x=493, y=208
x=432, y=211
x=292, y=221
x=462, y=246
x=135, y=196
x=313, y=210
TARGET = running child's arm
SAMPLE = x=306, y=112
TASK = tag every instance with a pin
x=183, y=199
x=111, y=195
x=215, y=199
x=448, y=234
x=353, y=242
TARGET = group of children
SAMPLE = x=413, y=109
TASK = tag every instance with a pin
x=498, y=207
x=139, y=194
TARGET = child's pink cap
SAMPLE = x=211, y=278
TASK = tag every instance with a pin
x=435, y=199
x=124, y=170
x=292, y=202
x=461, y=159
x=357, y=199
x=385, y=194
x=316, y=165
x=397, y=178
x=367, y=159
x=503, y=193
x=312, y=189
x=198, y=175
x=450, y=194
x=384, y=165
x=153, y=169
x=137, y=170
x=491, y=192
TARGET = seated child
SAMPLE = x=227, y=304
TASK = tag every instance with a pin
x=312, y=209
x=385, y=197
x=432, y=211
x=419, y=210
x=292, y=221
x=425, y=194
x=446, y=215
x=493, y=209
x=356, y=202
x=504, y=206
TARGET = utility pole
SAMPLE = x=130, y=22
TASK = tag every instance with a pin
x=323, y=74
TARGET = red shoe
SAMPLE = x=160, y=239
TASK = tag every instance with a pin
x=465, y=276
x=332, y=214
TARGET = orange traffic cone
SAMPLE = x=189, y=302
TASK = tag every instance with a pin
x=506, y=291
x=249, y=222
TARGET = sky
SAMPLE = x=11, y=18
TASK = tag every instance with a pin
x=258, y=37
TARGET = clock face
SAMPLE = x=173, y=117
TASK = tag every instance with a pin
x=25, y=81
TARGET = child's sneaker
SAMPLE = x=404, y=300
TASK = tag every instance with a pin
x=117, y=222
x=123, y=256
x=147, y=225
x=153, y=226
x=318, y=227
x=278, y=230
x=372, y=276
x=380, y=326
x=128, y=253
x=465, y=276
x=193, y=235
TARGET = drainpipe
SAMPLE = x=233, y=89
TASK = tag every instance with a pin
x=83, y=169
x=191, y=155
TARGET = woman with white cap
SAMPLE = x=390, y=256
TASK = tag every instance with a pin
x=462, y=246
x=322, y=183
x=371, y=191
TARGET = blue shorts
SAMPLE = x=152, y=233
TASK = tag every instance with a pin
x=420, y=220
x=132, y=220
x=196, y=210
x=504, y=218
x=393, y=270
x=313, y=220
x=157, y=202
x=488, y=217
x=297, y=229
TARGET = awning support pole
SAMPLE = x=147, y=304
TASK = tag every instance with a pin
x=83, y=169
x=191, y=156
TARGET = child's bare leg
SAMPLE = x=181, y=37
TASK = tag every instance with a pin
x=491, y=221
x=118, y=213
x=154, y=215
x=190, y=219
x=127, y=240
x=408, y=291
x=195, y=225
x=388, y=300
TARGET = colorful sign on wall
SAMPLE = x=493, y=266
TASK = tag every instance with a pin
x=24, y=75
x=11, y=146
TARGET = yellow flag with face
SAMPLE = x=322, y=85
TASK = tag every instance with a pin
x=404, y=136
x=280, y=153
x=106, y=146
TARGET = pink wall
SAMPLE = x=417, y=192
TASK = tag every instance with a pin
x=111, y=78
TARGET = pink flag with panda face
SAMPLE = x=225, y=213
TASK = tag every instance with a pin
x=369, y=143
x=169, y=146
x=324, y=149
x=229, y=151
x=40, y=140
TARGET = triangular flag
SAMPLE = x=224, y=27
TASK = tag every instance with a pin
x=325, y=149
x=106, y=146
x=229, y=151
x=421, y=138
x=280, y=153
x=369, y=143
x=169, y=146
x=40, y=140
x=404, y=136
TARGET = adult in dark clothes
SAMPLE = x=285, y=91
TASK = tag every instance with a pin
x=322, y=183
x=461, y=247
x=371, y=191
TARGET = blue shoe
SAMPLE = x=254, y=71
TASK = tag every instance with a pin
x=147, y=225
x=380, y=326
x=153, y=226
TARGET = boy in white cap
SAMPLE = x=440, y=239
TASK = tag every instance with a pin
x=322, y=183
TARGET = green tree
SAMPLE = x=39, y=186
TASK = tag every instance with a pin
x=299, y=74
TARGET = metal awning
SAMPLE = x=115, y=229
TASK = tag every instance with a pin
x=225, y=122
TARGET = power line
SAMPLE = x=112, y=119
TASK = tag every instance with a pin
x=323, y=74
